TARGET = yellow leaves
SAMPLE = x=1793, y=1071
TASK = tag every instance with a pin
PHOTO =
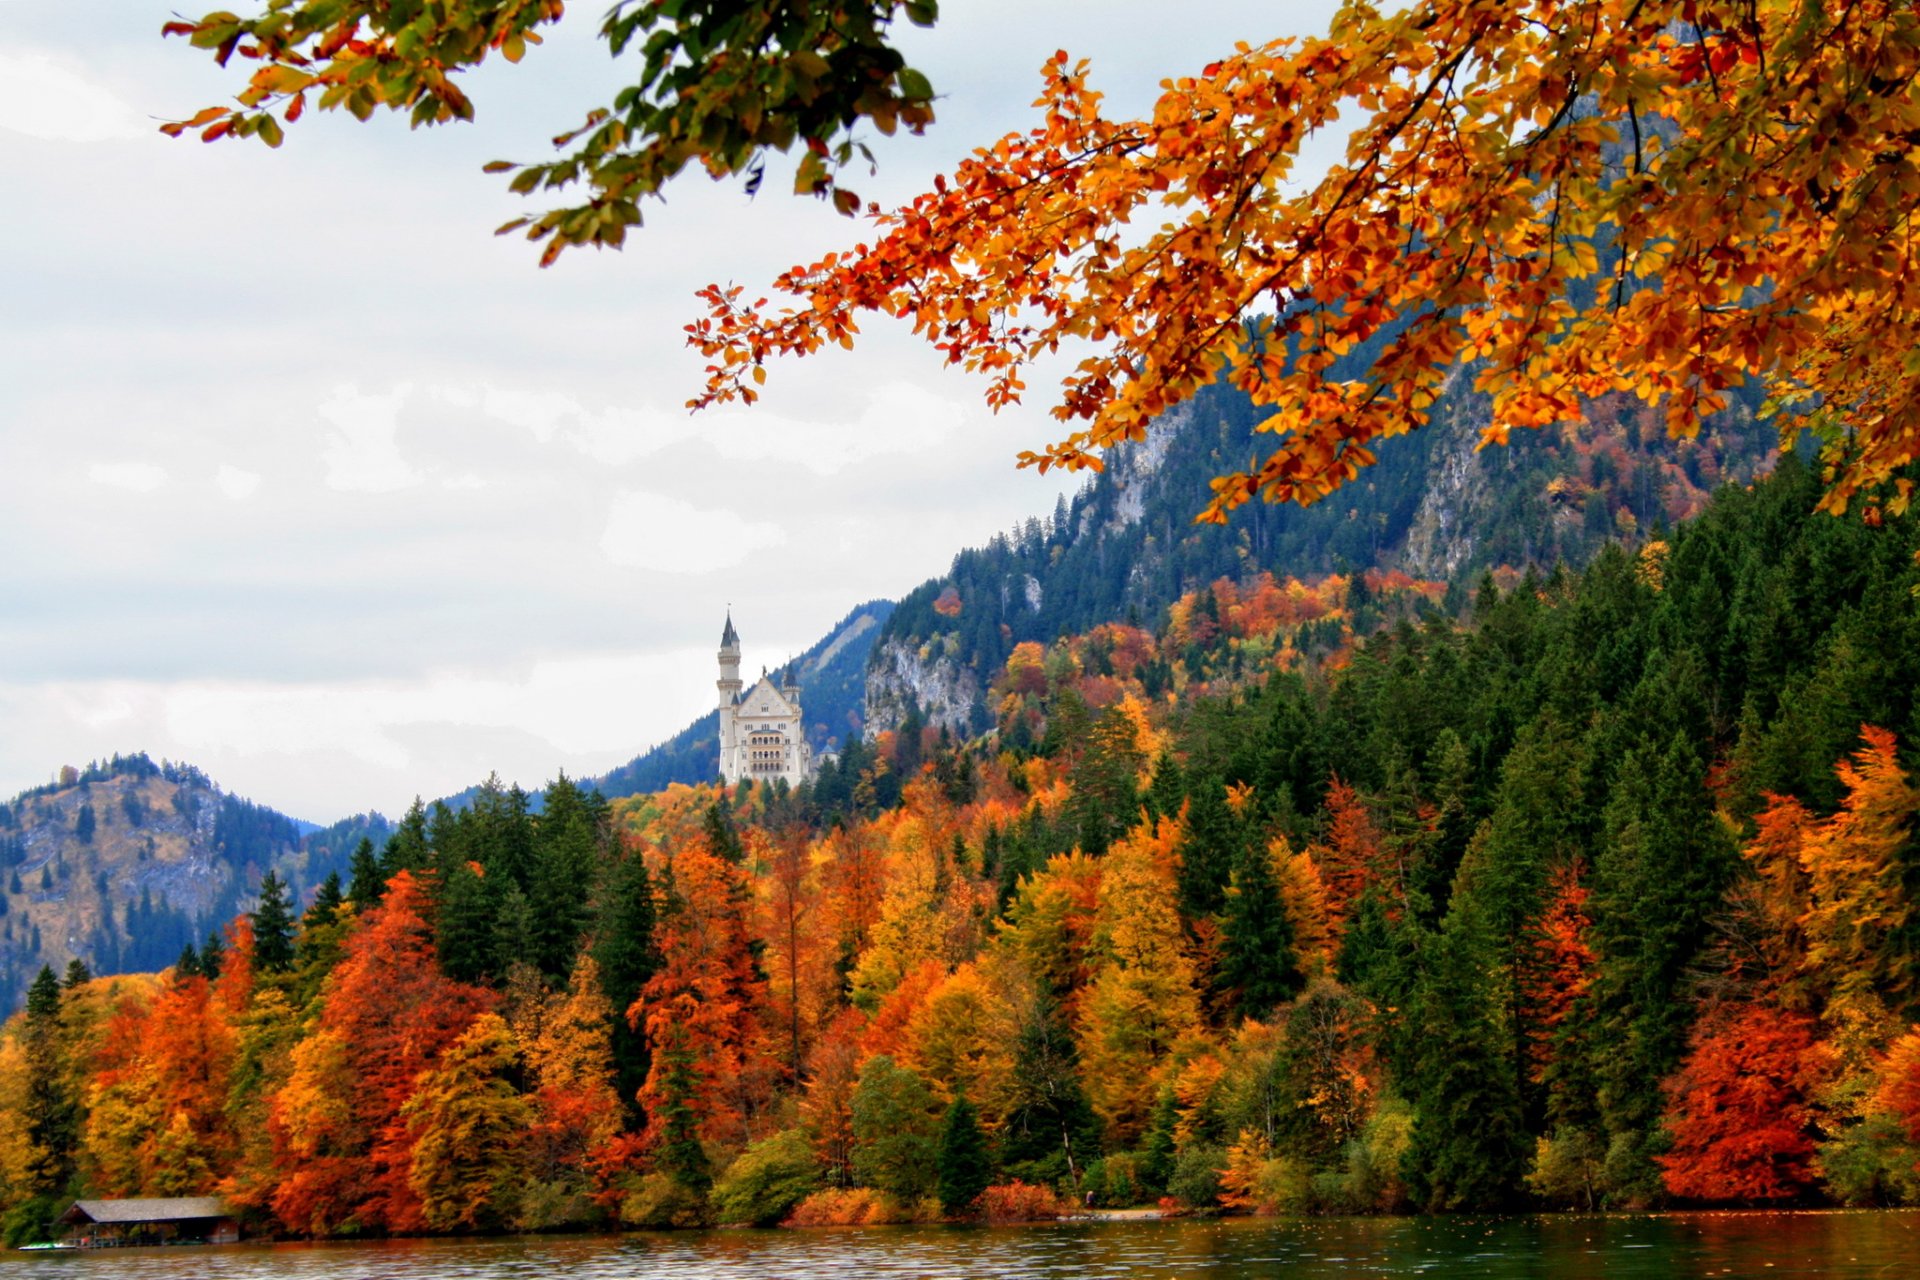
x=1762, y=204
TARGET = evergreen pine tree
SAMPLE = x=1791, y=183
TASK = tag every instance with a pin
x=566, y=840
x=513, y=932
x=407, y=848
x=1158, y=1151
x=1051, y=1131
x=78, y=975
x=965, y=1166
x=1257, y=967
x=1167, y=791
x=1210, y=848
x=624, y=950
x=723, y=838
x=365, y=884
x=43, y=997
x=273, y=927
x=50, y=1110
x=1469, y=1141
x=327, y=899
x=188, y=965
x=84, y=824
x=213, y=954
x=464, y=927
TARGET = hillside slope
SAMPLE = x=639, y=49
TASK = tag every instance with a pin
x=122, y=864
x=1125, y=547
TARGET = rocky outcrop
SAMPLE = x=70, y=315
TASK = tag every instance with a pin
x=931, y=676
x=1442, y=536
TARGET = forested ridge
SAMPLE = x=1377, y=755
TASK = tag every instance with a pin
x=1345, y=894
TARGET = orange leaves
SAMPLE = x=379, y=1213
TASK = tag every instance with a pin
x=1760, y=237
x=1738, y=1109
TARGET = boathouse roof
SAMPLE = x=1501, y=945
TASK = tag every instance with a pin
x=178, y=1209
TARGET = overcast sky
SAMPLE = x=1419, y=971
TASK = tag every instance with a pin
x=307, y=479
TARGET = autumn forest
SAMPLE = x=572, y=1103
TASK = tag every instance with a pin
x=1592, y=889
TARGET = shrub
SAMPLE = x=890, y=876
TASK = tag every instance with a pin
x=1195, y=1182
x=766, y=1182
x=1568, y=1169
x=1116, y=1182
x=859, y=1206
x=1022, y=1202
x=661, y=1201
x=1870, y=1163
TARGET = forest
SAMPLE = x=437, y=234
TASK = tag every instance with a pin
x=1351, y=894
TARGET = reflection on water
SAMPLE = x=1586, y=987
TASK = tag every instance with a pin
x=1624, y=1247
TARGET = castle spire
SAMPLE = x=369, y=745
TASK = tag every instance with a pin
x=729, y=638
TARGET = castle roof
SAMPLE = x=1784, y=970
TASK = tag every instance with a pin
x=766, y=699
x=729, y=638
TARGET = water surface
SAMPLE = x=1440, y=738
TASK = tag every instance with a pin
x=1617, y=1247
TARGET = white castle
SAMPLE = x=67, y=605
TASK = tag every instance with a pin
x=762, y=735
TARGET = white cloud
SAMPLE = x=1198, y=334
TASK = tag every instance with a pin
x=237, y=483
x=651, y=531
x=362, y=456
x=139, y=477
x=49, y=100
x=290, y=745
x=899, y=418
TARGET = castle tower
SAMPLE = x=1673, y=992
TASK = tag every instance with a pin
x=763, y=733
x=729, y=686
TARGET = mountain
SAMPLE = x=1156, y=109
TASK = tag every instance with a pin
x=121, y=864
x=832, y=678
x=1125, y=547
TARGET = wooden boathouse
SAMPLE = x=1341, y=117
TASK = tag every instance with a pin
x=106, y=1224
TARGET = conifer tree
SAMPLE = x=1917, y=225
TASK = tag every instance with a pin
x=1257, y=967
x=1469, y=1142
x=965, y=1166
x=213, y=955
x=1050, y=1128
x=464, y=930
x=1657, y=881
x=51, y=1111
x=327, y=899
x=273, y=927
x=626, y=955
x=723, y=838
x=560, y=886
x=78, y=975
x=365, y=882
x=407, y=848
x=1210, y=848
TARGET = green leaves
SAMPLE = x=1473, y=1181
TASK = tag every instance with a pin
x=719, y=83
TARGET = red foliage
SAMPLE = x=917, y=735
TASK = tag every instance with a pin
x=1350, y=860
x=1738, y=1109
x=393, y=1013
x=1556, y=967
x=703, y=1000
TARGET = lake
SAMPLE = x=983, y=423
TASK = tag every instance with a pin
x=1618, y=1247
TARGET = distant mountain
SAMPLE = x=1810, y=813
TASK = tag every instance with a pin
x=832, y=678
x=121, y=864
x=1125, y=547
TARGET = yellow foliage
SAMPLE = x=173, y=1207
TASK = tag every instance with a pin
x=1142, y=997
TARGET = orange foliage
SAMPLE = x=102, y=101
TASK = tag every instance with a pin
x=1019, y=1201
x=341, y=1146
x=1738, y=1109
x=1897, y=1084
x=704, y=1000
x=1350, y=859
x=1556, y=966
